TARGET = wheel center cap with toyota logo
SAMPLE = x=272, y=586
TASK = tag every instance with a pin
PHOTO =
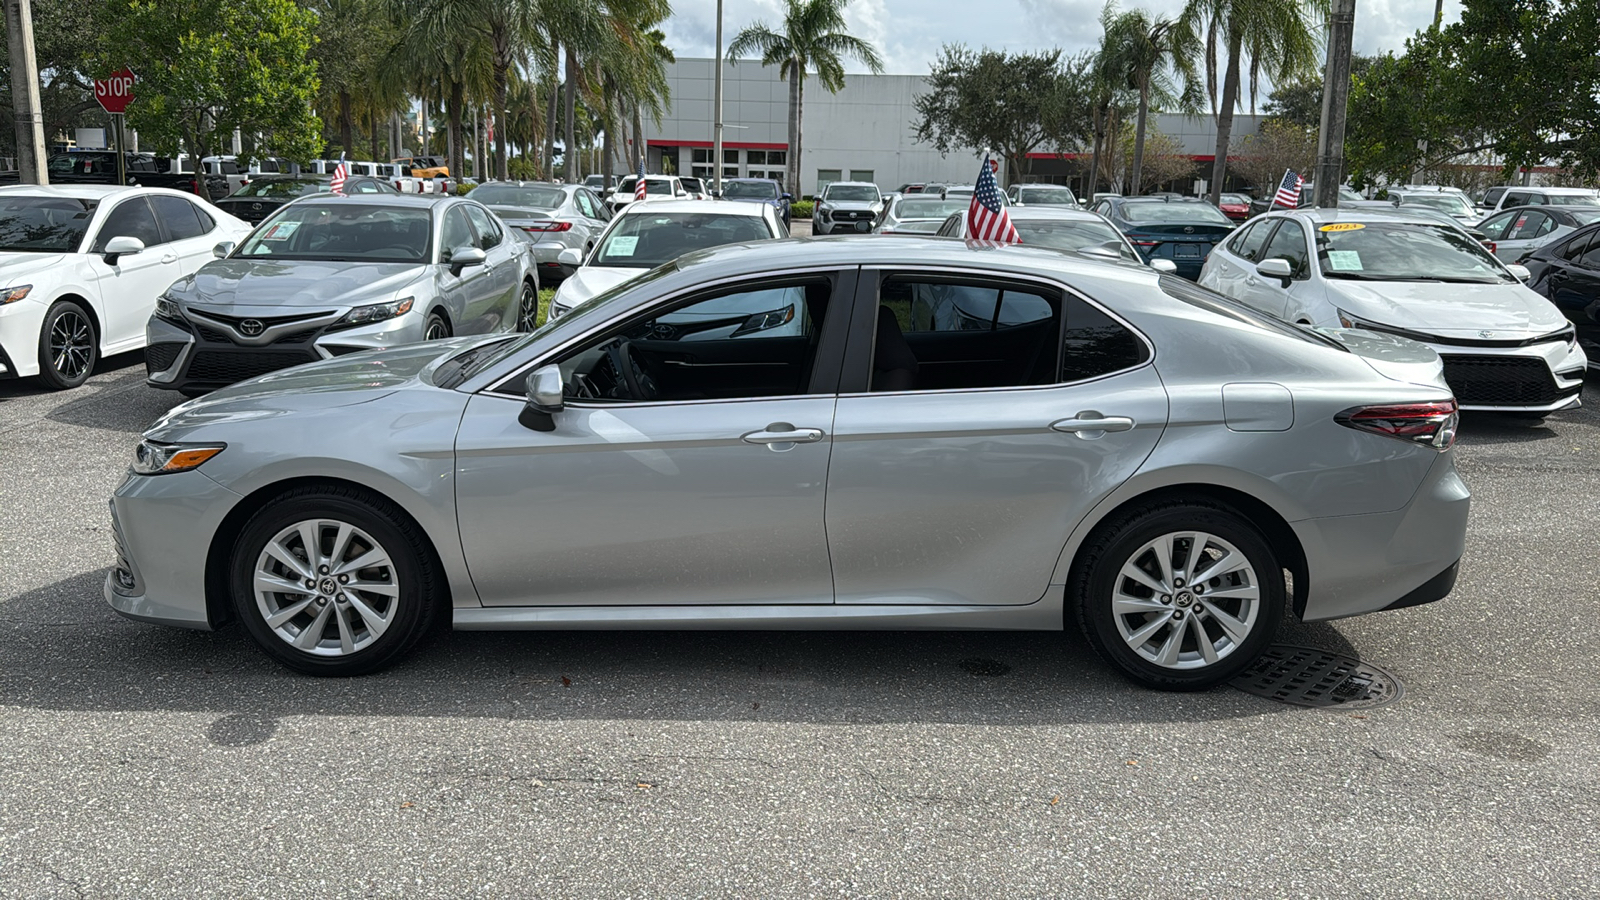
x=251, y=327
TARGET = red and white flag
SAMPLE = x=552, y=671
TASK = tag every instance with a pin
x=340, y=173
x=1289, y=190
x=987, y=219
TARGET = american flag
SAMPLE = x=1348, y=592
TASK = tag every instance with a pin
x=1289, y=190
x=340, y=173
x=638, y=186
x=987, y=219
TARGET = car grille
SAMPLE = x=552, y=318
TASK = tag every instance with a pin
x=212, y=334
x=850, y=215
x=218, y=336
x=160, y=357
x=1501, y=381
x=237, y=365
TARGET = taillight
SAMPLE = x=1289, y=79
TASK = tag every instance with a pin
x=1430, y=424
x=1489, y=245
x=1138, y=243
x=547, y=227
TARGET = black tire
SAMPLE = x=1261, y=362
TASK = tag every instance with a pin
x=68, y=346
x=419, y=586
x=1097, y=572
x=438, y=327
x=527, y=307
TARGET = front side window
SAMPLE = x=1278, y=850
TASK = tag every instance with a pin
x=751, y=341
x=42, y=224
x=488, y=229
x=1289, y=243
x=645, y=239
x=1528, y=226
x=130, y=218
x=343, y=232
x=457, y=232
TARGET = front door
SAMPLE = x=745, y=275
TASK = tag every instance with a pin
x=689, y=466
x=129, y=287
x=978, y=423
x=500, y=300
x=1268, y=294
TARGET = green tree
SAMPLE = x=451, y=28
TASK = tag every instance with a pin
x=1142, y=50
x=206, y=67
x=1277, y=38
x=68, y=39
x=813, y=35
x=1008, y=103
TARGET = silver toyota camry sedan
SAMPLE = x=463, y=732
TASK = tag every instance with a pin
x=913, y=434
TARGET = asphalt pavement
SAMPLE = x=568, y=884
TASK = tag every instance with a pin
x=138, y=761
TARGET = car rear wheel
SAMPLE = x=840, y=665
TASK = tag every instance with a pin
x=68, y=346
x=527, y=308
x=436, y=328
x=1181, y=595
x=333, y=582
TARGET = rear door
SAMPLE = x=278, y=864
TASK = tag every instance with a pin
x=966, y=446
x=1527, y=231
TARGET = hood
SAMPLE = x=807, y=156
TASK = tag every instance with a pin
x=864, y=205
x=16, y=267
x=269, y=287
x=342, y=381
x=1392, y=357
x=1511, y=311
x=590, y=280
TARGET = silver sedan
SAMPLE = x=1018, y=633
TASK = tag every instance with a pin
x=851, y=441
x=555, y=217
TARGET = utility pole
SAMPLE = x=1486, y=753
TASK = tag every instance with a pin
x=1335, y=99
x=716, y=128
x=25, y=94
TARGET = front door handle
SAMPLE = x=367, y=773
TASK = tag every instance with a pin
x=1090, y=425
x=779, y=434
x=169, y=258
x=1252, y=281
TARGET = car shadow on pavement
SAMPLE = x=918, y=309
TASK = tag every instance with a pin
x=64, y=649
x=117, y=367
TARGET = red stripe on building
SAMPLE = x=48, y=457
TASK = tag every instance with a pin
x=1208, y=157
x=726, y=145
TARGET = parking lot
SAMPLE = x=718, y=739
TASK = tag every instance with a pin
x=142, y=761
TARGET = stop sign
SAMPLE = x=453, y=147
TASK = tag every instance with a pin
x=116, y=91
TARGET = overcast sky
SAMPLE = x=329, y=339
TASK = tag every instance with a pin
x=909, y=33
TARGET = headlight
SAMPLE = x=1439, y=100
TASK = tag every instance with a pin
x=152, y=458
x=167, y=308
x=557, y=311
x=378, y=312
x=13, y=294
x=765, y=320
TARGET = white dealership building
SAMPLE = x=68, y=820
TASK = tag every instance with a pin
x=866, y=132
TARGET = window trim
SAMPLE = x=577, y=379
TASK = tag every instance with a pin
x=161, y=229
x=846, y=279
x=864, y=321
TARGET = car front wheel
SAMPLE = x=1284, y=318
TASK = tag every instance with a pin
x=331, y=581
x=1181, y=595
x=68, y=346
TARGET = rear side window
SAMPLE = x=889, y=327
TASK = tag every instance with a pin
x=1094, y=344
x=1494, y=229
x=180, y=216
x=1591, y=255
x=1575, y=247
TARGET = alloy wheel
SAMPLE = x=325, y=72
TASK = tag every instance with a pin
x=71, y=345
x=326, y=587
x=1186, y=600
x=529, y=310
x=436, y=329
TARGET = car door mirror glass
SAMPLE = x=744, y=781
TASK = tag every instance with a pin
x=1277, y=268
x=1164, y=266
x=122, y=245
x=221, y=250
x=545, y=399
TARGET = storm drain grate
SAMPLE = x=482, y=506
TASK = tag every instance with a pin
x=1304, y=676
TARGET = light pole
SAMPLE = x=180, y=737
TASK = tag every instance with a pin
x=29, y=121
x=716, y=126
x=1335, y=99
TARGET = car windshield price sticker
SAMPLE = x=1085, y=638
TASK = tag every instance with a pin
x=282, y=231
x=1344, y=260
x=1343, y=226
x=622, y=246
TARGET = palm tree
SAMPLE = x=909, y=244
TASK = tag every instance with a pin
x=1280, y=38
x=813, y=36
x=1142, y=49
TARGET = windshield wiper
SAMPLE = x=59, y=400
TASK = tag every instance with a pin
x=1354, y=276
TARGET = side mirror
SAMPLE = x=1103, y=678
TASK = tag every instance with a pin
x=119, y=246
x=1277, y=268
x=222, y=250
x=1164, y=266
x=571, y=256
x=1521, y=272
x=786, y=197
x=461, y=257
x=545, y=399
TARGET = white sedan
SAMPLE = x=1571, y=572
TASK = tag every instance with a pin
x=646, y=235
x=81, y=267
x=1503, y=346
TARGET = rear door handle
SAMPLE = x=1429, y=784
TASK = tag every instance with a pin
x=1090, y=425
x=782, y=433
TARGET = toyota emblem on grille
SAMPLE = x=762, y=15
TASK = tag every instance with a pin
x=1486, y=334
x=251, y=327
x=1188, y=229
x=255, y=206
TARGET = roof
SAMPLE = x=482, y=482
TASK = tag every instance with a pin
x=726, y=207
x=80, y=191
x=419, y=201
x=1569, y=191
x=834, y=184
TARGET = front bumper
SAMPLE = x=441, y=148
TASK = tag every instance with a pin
x=1366, y=563
x=1540, y=378
x=163, y=526
x=846, y=220
x=200, y=356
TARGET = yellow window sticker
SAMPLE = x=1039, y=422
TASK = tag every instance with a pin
x=1343, y=226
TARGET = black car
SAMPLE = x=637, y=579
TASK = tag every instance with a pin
x=1182, y=230
x=262, y=197
x=1567, y=273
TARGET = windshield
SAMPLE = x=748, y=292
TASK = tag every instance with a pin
x=930, y=208
x=342, y=233
x=280, y=188
x=1571, y=199
x=1076, y=235
x=1585, y=216
x=1403, y=251
x=750, y=190
x=1454, y=204
x=537, y=197
x=1235, y=199
x=43, y=224
x=654, y=188
x=1047, y=197
x=645, y=240
x=1173, y=213
x=851, y=193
